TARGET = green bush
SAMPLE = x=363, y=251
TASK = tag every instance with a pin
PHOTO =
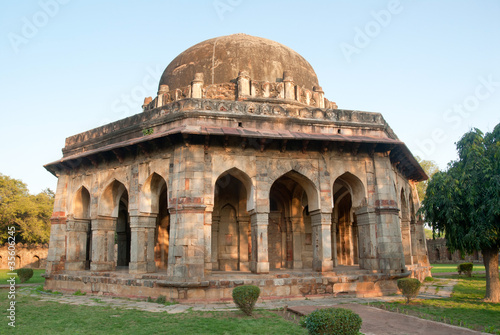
x=161, y=299
x=465, y=268
x=339, y=321
x=24, y=274
x=245, y=297
x=409, y=287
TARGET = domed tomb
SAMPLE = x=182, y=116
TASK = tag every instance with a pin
x=221, y=59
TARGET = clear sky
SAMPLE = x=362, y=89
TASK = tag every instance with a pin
x=432, y=68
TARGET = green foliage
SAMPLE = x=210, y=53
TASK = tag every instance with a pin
x=80, y=293
x=161, y=299
x=147, y=131
x=409, y=287
x=24, y=274
x=430, y=168
x=465, y=268
x=339, y=321
x=464, y=201
x=29, y=214
x=245, y=297
x=428, y=279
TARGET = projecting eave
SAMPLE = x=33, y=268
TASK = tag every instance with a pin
x=400, y=155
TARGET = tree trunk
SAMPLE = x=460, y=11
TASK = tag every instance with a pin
x=490, y=258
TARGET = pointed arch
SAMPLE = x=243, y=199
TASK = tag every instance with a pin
x=81, y=204
x=223, y=180
x=110, y=198
x=355, y=187
x=308, y=186
x=150, y=193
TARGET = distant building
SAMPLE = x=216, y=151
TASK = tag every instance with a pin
x=439, y=253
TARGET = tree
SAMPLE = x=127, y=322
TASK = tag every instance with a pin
x=464, y=202
x=430, y=168
x=29, y=214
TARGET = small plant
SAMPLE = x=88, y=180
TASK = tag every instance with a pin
x=339, y=321
x=24, y=274
x=409, y=287
x=161, y=299
x=80, y=293
x=150, y=299
x=245, y=297
x=465, y=268
x=147, y=131
x=429, y=279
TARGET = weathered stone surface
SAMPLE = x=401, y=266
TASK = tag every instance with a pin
x=240, y=167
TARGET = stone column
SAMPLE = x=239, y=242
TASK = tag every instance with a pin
x=297, y=232
x=187, y=239
x=57, y=245
x=422, y=258
x=289, y=243
x=243, y=225
x=197, y=86
x=367, y=230
x=76, y=250
x=333, y=229
x=214, y=242
x=289, y=86
x=407, y=241
x=243, y=84
x=322, y=244
x=260, y=257
x=142, y=255
x=103, y=244
x=207, y=229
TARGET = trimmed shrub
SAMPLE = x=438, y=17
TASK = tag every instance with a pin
x=339, y=321
x=24, y=274
x=465, y=268
x=245, y=297
x=409, y=287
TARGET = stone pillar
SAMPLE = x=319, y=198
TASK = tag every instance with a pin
x=422, y=258
x=197, y=86
x=215, y=238
x=187, y=239
x=103, y=244
x=243, y=225
x=56, y=255
x=333, y=229
x=142, y=255
x=297, y=232
x=407, y=241
x=322, y=244
x=243, y=84
x=319, y=96
x=289, y=86
x=289, y=243
x=367, y=230
x=260, y=257
x=76, y=250
x=207, y=229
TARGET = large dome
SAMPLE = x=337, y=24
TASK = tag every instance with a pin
x=221, y=59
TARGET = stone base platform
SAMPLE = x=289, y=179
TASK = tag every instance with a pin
x=218, y=286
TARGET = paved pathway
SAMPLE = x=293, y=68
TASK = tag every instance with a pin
x=375, y=321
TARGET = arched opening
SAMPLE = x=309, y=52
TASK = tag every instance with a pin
x=154, y=201
x=289, y=230
x=35, y=262
x=82, y=241
x=231, y=243
x=438, y=256
x=123, y=233
x=347, y=191
x=19, y=263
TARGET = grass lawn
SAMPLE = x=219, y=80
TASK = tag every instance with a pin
x=36, y=279
x=440, y=268
x=36, y=316
x=463, y=307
